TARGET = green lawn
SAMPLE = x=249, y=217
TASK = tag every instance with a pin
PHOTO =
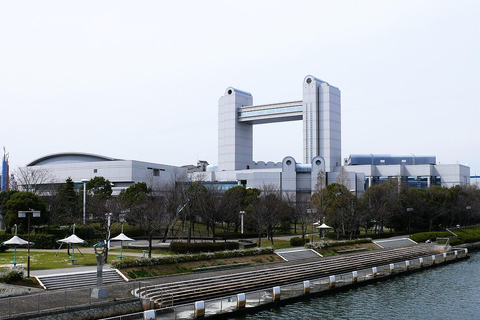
x=48, y=260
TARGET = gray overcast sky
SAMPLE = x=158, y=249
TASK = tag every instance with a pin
x=141, y=79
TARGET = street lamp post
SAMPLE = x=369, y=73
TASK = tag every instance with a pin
x=310, y=213
x=241, y=221
x=22, y=214
x=409, y=211
x=84, y=200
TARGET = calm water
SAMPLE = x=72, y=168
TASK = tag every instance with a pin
x=447, y=292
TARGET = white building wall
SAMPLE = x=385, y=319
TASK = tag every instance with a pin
x=122, y=173
x=453, y=174
x=321, y=122
x=289, y=175
x=235, y=139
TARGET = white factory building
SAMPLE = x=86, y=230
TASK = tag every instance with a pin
x=319, y=110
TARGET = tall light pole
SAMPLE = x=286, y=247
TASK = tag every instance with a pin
x=22, y=214
x=312, y=213
x=409, y=211
x=241, y=221
x=84, y=200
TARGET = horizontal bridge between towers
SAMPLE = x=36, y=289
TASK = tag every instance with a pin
x=271, y=113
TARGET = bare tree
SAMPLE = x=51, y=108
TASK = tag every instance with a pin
x=343, y=178
x=174, y=193
x=212, y=208
x=194, y=202
x=34, y=179
x=321, y=181
x=146, y=208
x=379, y=202
x=318, y=199
x=267, y=211
x=301, y=203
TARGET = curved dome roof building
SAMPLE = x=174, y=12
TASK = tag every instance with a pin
x=122, y=173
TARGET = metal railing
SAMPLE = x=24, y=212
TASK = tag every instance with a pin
x=57, y=300
x=64, y=299
x=264, y=297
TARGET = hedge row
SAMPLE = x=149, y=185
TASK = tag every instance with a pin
x=380, y=235
x=464, y=236
x=326, y=244
x=424, y=236
x=297, y=241
x=86, y=233
x=197, y=247
x=143, y=262
x=237, y=235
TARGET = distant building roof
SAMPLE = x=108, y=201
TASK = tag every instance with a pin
x=69, y=157
x=386, y=159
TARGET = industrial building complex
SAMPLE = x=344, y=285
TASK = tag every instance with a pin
x=319, y=110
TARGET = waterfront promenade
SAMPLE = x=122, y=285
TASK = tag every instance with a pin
x=78, y=299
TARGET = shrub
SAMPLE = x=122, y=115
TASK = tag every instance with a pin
x=3, y=248
x=424, y=236
x=297, y=241
x=315, y=245
x=142, y=262
x=325, y=244
x=11, y=276
x=183, y=247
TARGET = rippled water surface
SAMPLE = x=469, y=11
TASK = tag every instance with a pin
x=447, y=292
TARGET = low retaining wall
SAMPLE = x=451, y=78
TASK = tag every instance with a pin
x=475, y=246
x=99, y=311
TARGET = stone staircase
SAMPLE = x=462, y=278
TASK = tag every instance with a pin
x=79, y=279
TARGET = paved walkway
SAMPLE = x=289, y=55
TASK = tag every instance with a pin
x=157, y=280
x=390, y=243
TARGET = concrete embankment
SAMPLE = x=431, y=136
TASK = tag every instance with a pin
x=474, y=246
x=249, y=302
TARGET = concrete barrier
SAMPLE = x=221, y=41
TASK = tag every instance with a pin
x=332, y=281
x=241, y=300
x=276, y=293
x=149, y=315
x=199, y=309
x=306, y=287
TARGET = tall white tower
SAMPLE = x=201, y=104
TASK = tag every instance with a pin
x=321, y=122
x=235, y=139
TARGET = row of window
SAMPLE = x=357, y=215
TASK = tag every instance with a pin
x=418, y=182
x=270, y=111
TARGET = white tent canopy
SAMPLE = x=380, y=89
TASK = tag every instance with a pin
x=16, y=241
x=73, y=239
x=122, y=237
x=324, y=226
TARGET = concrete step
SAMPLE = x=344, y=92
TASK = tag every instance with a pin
x=80, y=279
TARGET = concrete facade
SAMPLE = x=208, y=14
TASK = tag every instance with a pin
x=320, y=111
x=122, y=173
